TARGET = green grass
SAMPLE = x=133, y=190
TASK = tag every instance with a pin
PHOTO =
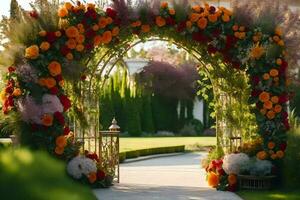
x=270, y=195
x=191, y=143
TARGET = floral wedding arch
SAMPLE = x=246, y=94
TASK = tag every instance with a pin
x=35, y=80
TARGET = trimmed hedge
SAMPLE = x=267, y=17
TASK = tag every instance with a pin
x=4, y=142
x=151, y=151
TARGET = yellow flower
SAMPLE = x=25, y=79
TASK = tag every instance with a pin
x=32, y=52
x=257, y=52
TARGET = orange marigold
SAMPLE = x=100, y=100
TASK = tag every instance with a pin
x=263, y=111
x=145, y=28
x=262, y=155
x=68, y=5
x=280, y=154
x=79, y=47
x=97, y=40
x=69, y=56
x=57, y=33
x=109, y=20
x=213, y=18
x=225, y=18
x=275, y=99
x=17, y=92
x=92, y=177
x=278, y=61
x=160, y=21
x=266, y=76
x=71, y=43
x=44, y=46
x=115, y=31
x=268, y=105
x=80, y=39
x=59, y=151
x=278, y=31
x=72, y=32
x=47, y=120
x=274, y=72
x=235, y=28
x=271, y=145
x=102, y=22
x=232, y=179
x=164, y=4
x=136, y=23
x=274, y=156
x=172, y=12
x=54, y=68
x=196, y=8
x=47, y=82
x=106, y=37
x=194, y=17
x=202, y=23
x=95, y=27
x=257, y=52
x=271, y=114
x=32, y=52
x=212, y=179
x=61, y=141
x=189, y=24
x=264, y=96
x=42, y=33
x=62, y=12
x=278, y=108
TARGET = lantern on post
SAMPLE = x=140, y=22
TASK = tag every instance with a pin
x=114, y=125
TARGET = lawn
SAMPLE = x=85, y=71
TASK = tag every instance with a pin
x=191, y=143
x=270, y=195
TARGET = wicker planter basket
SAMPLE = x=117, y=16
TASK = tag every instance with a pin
x=255, y=182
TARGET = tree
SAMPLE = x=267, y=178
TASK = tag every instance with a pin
x=147, y=117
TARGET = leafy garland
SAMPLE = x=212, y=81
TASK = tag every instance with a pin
x=85, y=29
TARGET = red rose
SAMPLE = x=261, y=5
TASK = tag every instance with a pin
x=59, y=78
x=34, y=14
x=283, y=98
x=10, y=101
x=117, y=21
x=232, y=188
x=236, y=64
x=284, y=115
x=255, y=80
x=66, y=130
x=59, y=117
x=216, y=32
x=64, y=50
x=255, y=93
x=170, y=21
x=211, y=49
x=54, y=90
x=199, y=37
x=283, y=146
x=230, y=41
x=65, y=101
x=111, y=12
x=221, y=172
x=83, y=77
x=34, y=127
x=50, y=37
x=11, y=69
x=181, y=26
x=9, y=90
x=90, y=33
x=89, y=46
x=286, y=124
x=283, y=67
x=100, y=175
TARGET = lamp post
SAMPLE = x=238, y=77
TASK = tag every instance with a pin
x=114, y=125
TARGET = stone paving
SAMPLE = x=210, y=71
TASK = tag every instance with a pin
x=168, y=178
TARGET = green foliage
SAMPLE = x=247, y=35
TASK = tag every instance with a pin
x=291, y=174
x=295, y=102
x=23, y=175
x=133, y=117
x=146, y=115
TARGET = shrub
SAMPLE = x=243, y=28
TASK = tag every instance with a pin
x=192, y=128
x=28, y=175
x=291, y=162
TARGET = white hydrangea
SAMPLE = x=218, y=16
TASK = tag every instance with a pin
x=232, y=162
x=51, y=104
x=81, y=165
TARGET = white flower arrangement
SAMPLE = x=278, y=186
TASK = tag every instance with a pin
x=81, y=165
x=233, y=162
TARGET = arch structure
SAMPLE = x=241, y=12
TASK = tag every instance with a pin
x=61, y=57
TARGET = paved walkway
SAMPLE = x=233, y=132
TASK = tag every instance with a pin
x=168, y=178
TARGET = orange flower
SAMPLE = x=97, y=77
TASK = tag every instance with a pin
x=70, y=56
x=280, y=154
x=45, y=46
x=47, y=120
x=95, y=27
x=213, y=18
x=42, y=33
x=281, y=43
x=189, y=24
x=278, y=61
x=266, y=76
x=136, y=23
x=212, y=179
x=257, y=52
x=32, y=52
x=109, y=20
x=278, y=31
x=271, y=114
x=262, y=155
x=278, y=108
x=226, y=11
x=17, y=92
x=274, y=156
x=102, y=22
x=274, y=72
x=59, y=151
x=61, y=141
x=172, y=12
x=263, y=111
x=202, y=23
x=72, y=32
x=271, y=145
x=164, y=4
x=71, y=43
x=62, y=12
x=107, y=37
x=54, y=68
x=68, y=5
x=57, y=33
x=235, y=28
x=47, y=82
x=79, y=47
x=264, y=96
x=80, y=26
x=160, y=21
x=115, y=31
x=145, y=28
x=268, y=105
x=275, y=99
x=97, y=40
x=194, y=17
x=225, y=18
x=80, y=39
x=92, y=177
x=242, y=35
x=196, y=8
x=232, y=180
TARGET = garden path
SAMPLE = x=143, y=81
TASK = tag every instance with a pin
x=167, y=178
